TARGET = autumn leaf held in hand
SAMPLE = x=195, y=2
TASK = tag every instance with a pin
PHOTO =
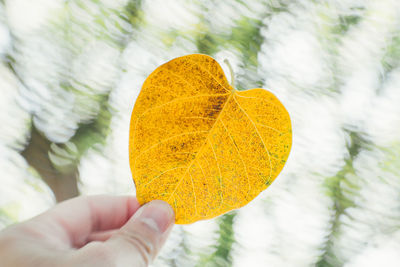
x=201, y=145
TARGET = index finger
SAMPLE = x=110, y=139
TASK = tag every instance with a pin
x=74, y=220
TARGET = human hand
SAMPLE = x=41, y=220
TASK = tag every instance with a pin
x=89, y=231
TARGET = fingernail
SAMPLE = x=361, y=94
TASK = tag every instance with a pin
x=158, y=215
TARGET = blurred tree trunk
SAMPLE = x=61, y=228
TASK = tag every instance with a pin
x=62, y=183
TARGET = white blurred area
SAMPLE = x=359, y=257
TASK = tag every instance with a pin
x=333, y=64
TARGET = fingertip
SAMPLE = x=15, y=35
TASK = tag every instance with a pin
x=142, y=237
x=157, y=213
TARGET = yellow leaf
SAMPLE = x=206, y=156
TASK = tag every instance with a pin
x=202, y=146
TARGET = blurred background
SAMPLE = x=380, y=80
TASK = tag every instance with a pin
x=71, y=70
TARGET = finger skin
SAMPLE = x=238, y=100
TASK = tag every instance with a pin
x=101, y=236
x=76, y=219
x=136, y=243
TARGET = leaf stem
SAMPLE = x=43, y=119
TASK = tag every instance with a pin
x=226, y=61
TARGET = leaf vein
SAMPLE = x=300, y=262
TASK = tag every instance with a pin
x=209, y=73
x=240, y=155
x=259, y=135
x=179, y=99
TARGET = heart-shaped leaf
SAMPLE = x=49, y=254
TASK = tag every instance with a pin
x=202, y=146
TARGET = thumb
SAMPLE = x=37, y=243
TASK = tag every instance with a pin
x=140, y=239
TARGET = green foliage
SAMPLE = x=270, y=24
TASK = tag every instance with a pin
x=133, y=13
x=94, y=132
x=335, y=190
x=223, y=247
x=345, y=22
x=247, y=39
x=391, y=58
